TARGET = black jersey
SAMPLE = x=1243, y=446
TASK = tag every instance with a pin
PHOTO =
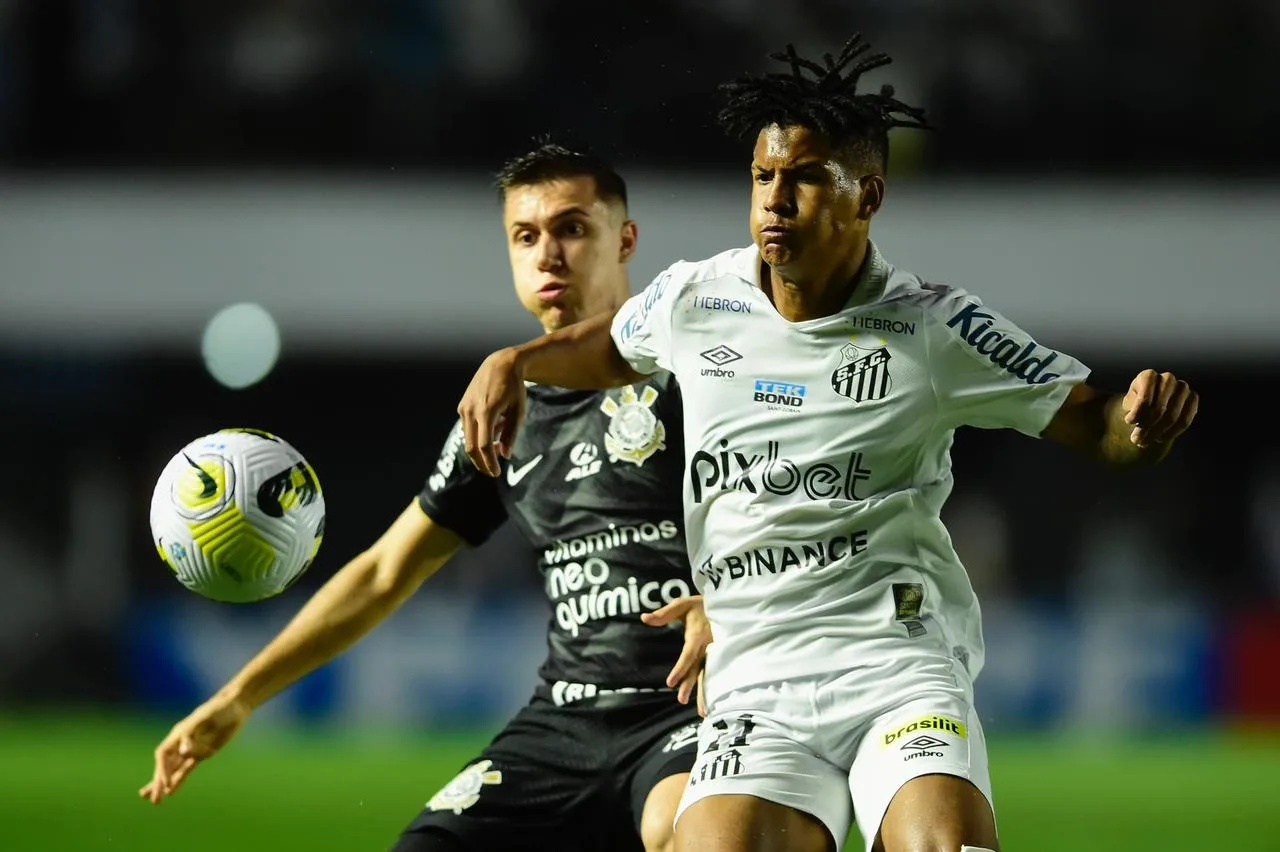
x=594, y=485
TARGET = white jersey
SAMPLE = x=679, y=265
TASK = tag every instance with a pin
x=818, y=458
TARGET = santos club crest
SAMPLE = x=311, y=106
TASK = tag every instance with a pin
x=634, y=432
x=863, y=374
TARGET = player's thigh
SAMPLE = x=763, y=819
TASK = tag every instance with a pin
x=933, y=812
x=484, y=807
x=658, y=813
x=541, y=773
x=660, y=775
x=756, y=788
x=920, y=780
x=737, y=822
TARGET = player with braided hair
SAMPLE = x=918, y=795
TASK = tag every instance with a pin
x=822, y=390
x=828, y=104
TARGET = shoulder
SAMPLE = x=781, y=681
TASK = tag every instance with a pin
x=942, y=307
x=734, y=264
x=910, y=290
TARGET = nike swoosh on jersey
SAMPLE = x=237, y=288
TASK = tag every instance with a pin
x=515, y=474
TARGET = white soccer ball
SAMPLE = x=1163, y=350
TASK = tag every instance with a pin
x=238, y=515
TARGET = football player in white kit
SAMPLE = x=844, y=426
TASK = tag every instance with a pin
x=823, y=387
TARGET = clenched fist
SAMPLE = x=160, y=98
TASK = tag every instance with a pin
x=1159, y=407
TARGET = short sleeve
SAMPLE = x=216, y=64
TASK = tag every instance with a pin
x=642, y=326
x=459, y=497
x=988, y=372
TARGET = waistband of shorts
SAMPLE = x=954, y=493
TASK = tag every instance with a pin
x=564, y=693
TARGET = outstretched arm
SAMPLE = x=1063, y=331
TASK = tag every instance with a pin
x=1137, y=427
x=356, y=599
x=581, y=356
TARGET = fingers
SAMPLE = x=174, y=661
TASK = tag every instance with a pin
x=509, y=425
x=702, y=693
x=1142, y=393
x=492, y=411
x=180, y=774
x=469, y=442
x=687, y=666
x=1179, y=410
x=477, y=429
x=674, y=611
x=687, y=688
x=1160, y=407
x=174, y=760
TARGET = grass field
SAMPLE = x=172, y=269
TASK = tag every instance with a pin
x=69, y=785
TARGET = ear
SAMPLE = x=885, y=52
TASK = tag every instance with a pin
x=630, y=233
x=872, y=196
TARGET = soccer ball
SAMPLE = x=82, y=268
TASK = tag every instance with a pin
x=238, y=515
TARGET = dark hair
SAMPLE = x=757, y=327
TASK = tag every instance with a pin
x=549, y=161
x=826, y=102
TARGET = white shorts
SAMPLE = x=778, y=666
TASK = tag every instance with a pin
x=840, y=748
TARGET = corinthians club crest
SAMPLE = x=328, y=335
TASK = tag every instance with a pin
x=863, y=374
x=634, y=432
x=464, y=790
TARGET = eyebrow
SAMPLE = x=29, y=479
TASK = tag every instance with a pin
x=563, y=214
x=795, y=167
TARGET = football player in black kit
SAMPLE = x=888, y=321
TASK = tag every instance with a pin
x=599, y=757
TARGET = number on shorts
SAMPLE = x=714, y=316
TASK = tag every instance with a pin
x=739, y=729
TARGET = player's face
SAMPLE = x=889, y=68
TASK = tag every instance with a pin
x=569, y=250
x=809, y=206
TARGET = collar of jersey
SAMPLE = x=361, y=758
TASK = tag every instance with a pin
x=872, y=279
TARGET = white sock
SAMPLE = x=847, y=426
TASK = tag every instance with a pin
x=975, y=849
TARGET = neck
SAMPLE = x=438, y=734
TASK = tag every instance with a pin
x=799, y=297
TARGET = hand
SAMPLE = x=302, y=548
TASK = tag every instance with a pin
x=686, y=675
x=197, y=737
x=1159, y=407
x=492, y=409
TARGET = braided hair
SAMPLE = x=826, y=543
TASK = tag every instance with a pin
x=822, y=97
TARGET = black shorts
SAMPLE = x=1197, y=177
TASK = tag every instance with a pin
x=565, y=778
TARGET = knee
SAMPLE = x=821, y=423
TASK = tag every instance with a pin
x=657, y=831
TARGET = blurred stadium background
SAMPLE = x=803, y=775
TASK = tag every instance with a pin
x=1105, y=173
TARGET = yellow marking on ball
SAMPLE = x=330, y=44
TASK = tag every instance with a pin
x=201, y=485
x=232, y=545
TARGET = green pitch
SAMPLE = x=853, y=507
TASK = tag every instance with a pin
x=70, y=785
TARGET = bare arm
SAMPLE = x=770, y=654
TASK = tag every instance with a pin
x=1135, y=428
x=581, y=356
x=364, y=592
x=355, y=600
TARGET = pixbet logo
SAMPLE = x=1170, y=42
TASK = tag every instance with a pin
x=732, y=469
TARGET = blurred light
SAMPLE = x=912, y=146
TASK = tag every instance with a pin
x=241, y=344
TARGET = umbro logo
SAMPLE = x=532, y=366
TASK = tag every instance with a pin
x=720, y=355
x=922, y=742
